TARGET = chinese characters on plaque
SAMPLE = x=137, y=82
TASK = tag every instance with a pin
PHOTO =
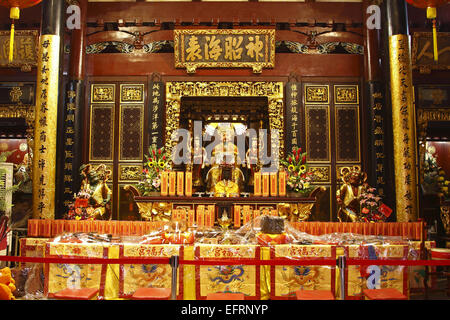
x=293, y=115
x=403, y=128
x=245, y=48
x=26, y=45
x=69, y=141
x=156, y=108
x=44, y=162
x=378, y=134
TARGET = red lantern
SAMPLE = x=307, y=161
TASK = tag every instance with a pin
x=431, y=6
x=14, y=13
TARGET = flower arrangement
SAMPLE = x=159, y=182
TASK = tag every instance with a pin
x=156, y=162
x=370, y=206
x=299, y=179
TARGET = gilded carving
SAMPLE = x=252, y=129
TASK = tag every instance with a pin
x=346, y=94
x=224, y=48
x=272, y=90
x=321, y=173
x=103, y=93
x=26, y=47
x=130, y=93
x=317, y=94
x=130, y=172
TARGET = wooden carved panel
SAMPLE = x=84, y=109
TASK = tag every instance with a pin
x=317, y=94
x=131, y=142
x=102, y=133
x=346, y=94
x=103, y=93
x=318, y=133
x=132, y=93
x=347, y=134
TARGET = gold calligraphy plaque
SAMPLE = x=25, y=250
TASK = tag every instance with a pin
x=403, y=128
x=237, y=48
x=26, y=46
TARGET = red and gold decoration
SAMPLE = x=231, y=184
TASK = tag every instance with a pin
x=431, y=6
x=14, y=14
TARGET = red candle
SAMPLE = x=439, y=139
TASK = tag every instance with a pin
x=180, y=183
x=265, y=185
x=257, y=184
x=273, y=184
x=188, y=188
x=237, y=216
x=164, y=183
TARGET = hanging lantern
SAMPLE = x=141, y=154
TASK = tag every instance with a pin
x=14, y=14
x=431, y=6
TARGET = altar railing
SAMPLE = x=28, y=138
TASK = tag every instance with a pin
x=51, y=228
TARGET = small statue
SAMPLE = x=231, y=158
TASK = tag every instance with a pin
x=348, y=195
x=95, y=189
x=226, y=187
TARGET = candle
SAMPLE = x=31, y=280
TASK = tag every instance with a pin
x=191, y=217
x=180, y=183
x=200, y=215
x=211, y=210
x=237, y=216
x=282, y=183
x=172, y=183
x=273, y=184
x=188, y=188
x=164, y=183
x=257, y=184
x=265, y=185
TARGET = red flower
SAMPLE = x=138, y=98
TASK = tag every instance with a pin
x=300, y=150
x=153, y=151
x=159, y=151
x=293, y=150
x=290, y=159
x=365, y=210
x=304, y=159
x=296, y=158
x=164, y=157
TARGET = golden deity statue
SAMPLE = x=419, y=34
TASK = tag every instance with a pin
x=225, y=156
x=349, y=194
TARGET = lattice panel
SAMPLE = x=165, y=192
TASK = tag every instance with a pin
x=102, y=133
x=318, y=133
x=131, y=132
x=347, y=134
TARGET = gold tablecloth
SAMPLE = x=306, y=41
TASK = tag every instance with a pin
x=108, y=277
